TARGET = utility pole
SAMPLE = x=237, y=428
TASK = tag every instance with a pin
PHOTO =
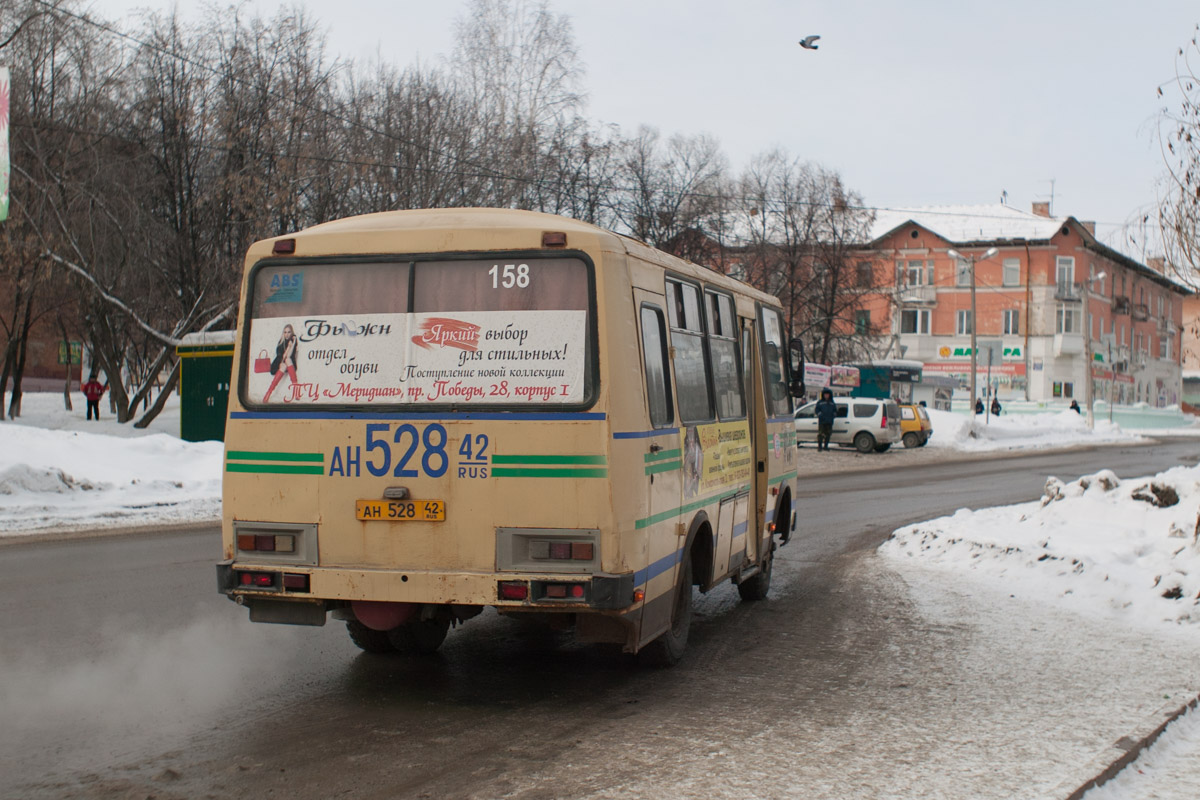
x=971, y=260
x=1087, y=347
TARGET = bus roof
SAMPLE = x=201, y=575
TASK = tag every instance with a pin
x=432, y=224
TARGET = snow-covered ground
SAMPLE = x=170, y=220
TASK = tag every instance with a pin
x=1124, y=550
x=59, y=471
x=983, y=433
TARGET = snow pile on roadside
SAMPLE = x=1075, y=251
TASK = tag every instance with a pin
x=1017, y=431
x=1124, y=548
x=68, y=477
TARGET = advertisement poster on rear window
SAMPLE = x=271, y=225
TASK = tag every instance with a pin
x=446, y=358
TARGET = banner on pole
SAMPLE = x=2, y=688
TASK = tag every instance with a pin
x=5, y=94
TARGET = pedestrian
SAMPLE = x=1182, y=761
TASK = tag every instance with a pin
x=284, y=361
x=93, y=390
x=826, y=410
x=1075, y=407
x=978, y=406
x=995, y=407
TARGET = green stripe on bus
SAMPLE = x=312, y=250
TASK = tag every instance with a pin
x=276, y=469
x=787, y=476
x=539, y=459
x=543, y=472
x=251, y=455
x=695, y=505
x=664, y=455
x=668, y=466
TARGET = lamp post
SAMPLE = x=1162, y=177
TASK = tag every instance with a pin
x=971, y=260
x=1087, y=347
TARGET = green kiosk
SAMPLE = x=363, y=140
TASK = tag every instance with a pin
x=205, y=367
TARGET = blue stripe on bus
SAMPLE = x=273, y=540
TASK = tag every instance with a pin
x=647, y=434
x=644, y=576
x=740, y=528
x=781, y=419
x=510, y=416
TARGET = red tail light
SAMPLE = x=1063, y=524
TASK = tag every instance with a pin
x=514, y=590
x=884, y=423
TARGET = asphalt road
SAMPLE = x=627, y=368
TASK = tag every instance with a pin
x=124, y=674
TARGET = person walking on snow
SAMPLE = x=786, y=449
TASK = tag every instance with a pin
x=825, y=410
x=93, y=390
x=995, y=407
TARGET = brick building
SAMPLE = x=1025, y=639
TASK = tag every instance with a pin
x=1049, y=281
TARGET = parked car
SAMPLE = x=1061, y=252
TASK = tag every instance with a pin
x=862, y=422
x=915, y=426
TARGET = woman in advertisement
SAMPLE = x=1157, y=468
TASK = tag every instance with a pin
x=284, y=361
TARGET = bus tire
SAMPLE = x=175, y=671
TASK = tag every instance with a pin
x=368, y=639
x=667, y=649
x=912, y=439
x=419, y=637
x=864, y=442
x=756, y=588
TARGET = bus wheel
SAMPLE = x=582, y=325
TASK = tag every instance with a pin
x=667, y=650
x=420, y=636
x=756, y=588
x=372, y=641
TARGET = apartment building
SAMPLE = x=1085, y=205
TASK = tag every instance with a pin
x=1050, y=294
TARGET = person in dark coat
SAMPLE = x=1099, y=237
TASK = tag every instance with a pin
x=93, y=390
x=1075, y=407
x=826, y=411
x=995, y=407
x=978, y=406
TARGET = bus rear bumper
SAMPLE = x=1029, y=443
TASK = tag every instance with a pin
x=260, y=584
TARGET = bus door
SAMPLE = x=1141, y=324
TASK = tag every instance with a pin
x=661, y=456
x=756, y=414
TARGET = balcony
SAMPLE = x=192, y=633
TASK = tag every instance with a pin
x=1120, y=304
x=1141, y=312
x=916, y=295
x=1068, y=291
x=1068, y=344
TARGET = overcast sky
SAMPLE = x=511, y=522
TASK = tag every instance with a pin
x=917, y=103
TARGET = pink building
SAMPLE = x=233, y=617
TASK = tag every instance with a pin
x=1050, y=294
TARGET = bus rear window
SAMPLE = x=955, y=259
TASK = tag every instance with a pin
x=481, y=332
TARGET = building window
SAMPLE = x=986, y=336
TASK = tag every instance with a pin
x=862, y=321
x=866, y=275
x=964, y=323
x=916, y=273
x=1066, y=319
x=1066, y=271
x=1161, y=304
x=962, y=272
x=1012, y=319
x=1012, y=272
x=914, y=320
x=1164, y=347
x=1063, y=389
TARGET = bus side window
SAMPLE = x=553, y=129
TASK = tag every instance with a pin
x=779, y=401
x=723, y=355
x=654, y=357
x=692, y=380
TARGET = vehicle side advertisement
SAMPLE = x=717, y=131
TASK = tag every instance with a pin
x=445, y=358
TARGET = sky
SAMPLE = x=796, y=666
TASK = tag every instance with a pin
x=918, y=103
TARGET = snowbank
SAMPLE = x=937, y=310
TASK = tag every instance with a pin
x=1019, y=431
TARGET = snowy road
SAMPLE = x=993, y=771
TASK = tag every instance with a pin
x=134, y=678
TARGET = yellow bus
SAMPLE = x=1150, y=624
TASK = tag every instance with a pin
x=438, y=411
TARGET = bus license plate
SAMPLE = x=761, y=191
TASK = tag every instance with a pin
x=401, y=510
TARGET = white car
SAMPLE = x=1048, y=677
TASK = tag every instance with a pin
x=862, y=422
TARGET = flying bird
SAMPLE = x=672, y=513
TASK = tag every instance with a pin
x=809, y=42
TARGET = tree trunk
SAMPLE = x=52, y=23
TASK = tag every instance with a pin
x=67, y=385
x=172, y=381
x=9, y=350
x=14, y=403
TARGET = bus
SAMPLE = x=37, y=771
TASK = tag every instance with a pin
x=435, y=412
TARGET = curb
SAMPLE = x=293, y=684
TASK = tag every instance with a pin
x=1134, y=748
x=75, y=534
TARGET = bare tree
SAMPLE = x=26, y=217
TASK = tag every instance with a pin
x=1179, y=201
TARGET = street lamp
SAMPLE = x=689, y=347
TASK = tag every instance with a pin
x=971, y=260
x=1087, y=346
